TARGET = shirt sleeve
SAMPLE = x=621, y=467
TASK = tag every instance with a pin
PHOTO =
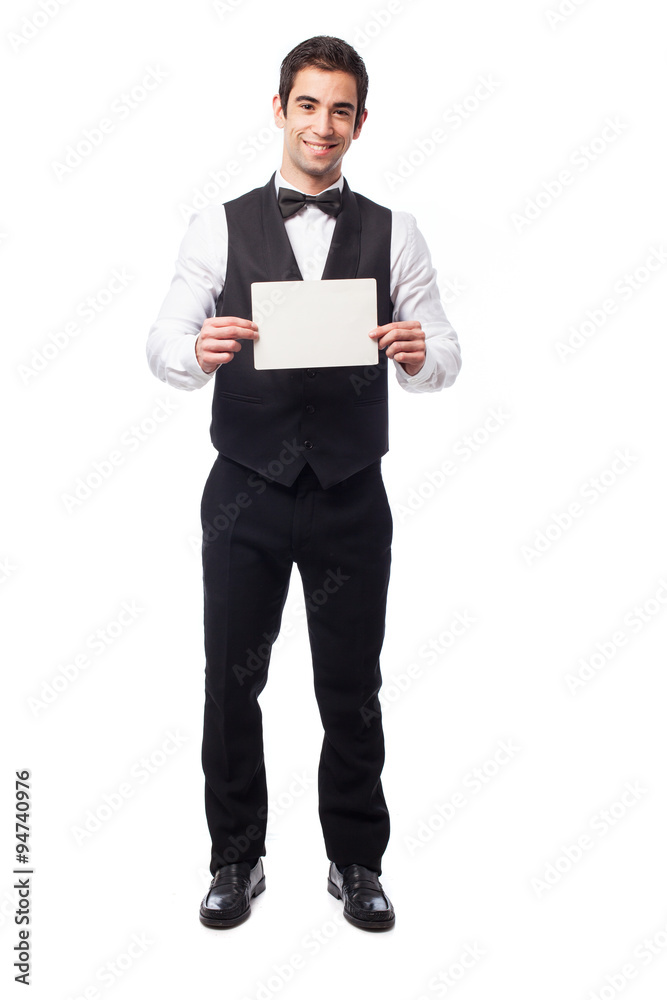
x=415, y=294
x=198, y=279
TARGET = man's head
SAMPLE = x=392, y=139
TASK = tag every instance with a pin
x=328, y=53
x=321, y=107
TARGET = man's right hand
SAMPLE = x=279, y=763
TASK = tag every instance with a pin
x=218, y=340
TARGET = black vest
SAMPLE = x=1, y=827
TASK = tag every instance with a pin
x=275, y=421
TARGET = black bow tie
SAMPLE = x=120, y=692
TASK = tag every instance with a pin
x=290, y=202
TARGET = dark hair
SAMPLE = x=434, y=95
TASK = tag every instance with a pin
x=324, y=52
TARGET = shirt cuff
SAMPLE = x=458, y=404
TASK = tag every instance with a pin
x=190, y=364
x=422, y=377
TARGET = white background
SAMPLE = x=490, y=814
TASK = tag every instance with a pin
x=493, y=879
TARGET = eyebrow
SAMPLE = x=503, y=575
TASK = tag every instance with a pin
x=314, y=100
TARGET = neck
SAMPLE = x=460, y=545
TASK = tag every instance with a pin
x=306, y=183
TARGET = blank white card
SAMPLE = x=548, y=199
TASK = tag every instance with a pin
x=314, y=324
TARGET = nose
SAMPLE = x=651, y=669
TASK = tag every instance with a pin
x=322, y=124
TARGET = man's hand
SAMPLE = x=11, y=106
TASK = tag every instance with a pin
x=405, y=342
x=218, y=340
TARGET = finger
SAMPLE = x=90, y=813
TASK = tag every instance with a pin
x=409, y=358
x=220, y=321
x=225, y=333
x=408, y=324
x=221, y=346
x=392, y=336
x=401, y=351
x=213, y=361
x=402, y=337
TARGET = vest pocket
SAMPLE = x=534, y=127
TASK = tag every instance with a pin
x=376, y=399
x=244, y=399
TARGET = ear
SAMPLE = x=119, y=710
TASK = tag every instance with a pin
x=278, y=115
x=357, y=131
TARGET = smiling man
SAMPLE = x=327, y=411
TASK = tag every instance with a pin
x=298, y=477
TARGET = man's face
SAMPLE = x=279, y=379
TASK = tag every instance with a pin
x=319, y=126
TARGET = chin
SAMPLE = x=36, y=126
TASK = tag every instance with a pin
x=314, y=169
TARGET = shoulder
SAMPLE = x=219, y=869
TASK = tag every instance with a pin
x=404, y=224
x=368, y=205
x=406, y=240
x=404, y=233
x=207, y=225
x=205, y=239
x=244, y=201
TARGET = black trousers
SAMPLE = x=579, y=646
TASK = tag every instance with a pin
x=254, y=529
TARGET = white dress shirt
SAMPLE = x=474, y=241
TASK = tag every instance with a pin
x=200, y=273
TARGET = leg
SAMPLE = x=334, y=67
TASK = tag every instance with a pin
x=246, y=568
x=344, y=557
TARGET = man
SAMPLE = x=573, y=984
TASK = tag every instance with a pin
x=298, y=477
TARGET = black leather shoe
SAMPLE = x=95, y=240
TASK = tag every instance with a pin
x=364, y=902
x=227, y=902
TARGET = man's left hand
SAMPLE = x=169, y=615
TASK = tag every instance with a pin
x=405, y=342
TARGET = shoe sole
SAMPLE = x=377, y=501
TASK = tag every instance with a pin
x=221, y=922
x=367, y=925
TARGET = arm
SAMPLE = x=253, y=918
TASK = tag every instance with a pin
x=187, y=342
x=421, y=340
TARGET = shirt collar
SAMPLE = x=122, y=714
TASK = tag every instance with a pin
x=281, y=182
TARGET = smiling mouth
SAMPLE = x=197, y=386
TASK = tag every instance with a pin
x=319, y=147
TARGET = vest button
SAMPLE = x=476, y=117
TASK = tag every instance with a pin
x=308, y=444
x=311, y=372
x=310, y=408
